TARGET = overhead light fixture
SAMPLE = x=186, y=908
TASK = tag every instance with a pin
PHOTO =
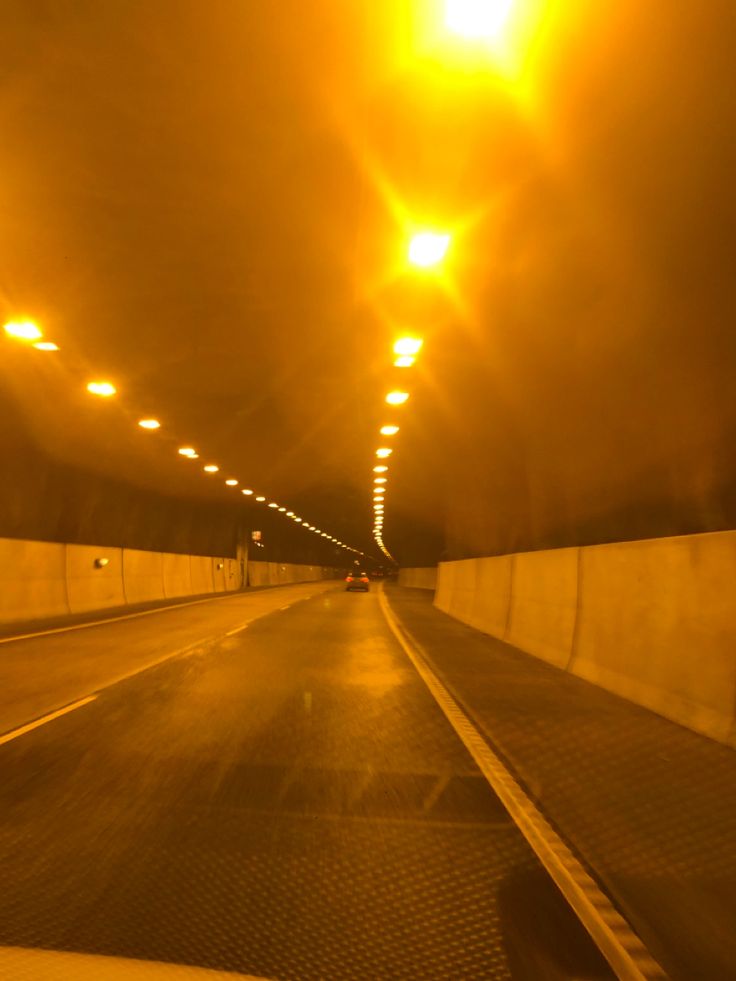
x=23, y=330
x=231, y=482
x=211, y=468
x=298, y=520
x=404, y=361
x=383, y=452
x=427, y=249
x=187, y=451
x=380, y=469
x=389, y=430
x=289, y=514
x=273, y=504
x=149, y=423
x=476, y=19
x=408, y=345
x=397, y=398
x=260, y=498
x=282, y=509
x=379, y=480
x=102, y=388
x=247, y=491
x=46, y=346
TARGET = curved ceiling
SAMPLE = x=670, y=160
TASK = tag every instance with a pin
x=210, y=203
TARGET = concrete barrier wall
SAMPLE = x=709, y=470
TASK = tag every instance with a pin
x=89, y=587
x=543, y=601
x=143, y=576
x=279, y=573
x=423, y=578
x=177, y=575
x=653, y=621
x=201, y=571
x=32, y=580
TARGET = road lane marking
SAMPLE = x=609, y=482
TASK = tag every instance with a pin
x=142, y=613
x=614, y=937
x=22, y=730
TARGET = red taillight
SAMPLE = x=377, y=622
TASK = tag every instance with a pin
x=348, y=579
x=364, y=578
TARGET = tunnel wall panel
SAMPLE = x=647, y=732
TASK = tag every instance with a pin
x=200, y=571
x=88, y=587
x=177, y=575
x=544, y=593
x=419, y=578
x=653, y=621
x=143, y=576
x=657, y=625
x=32, y=580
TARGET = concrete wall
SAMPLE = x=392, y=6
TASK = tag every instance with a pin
x=653, y=620
x=48, y=579
x=278, y=573
x=421, y=578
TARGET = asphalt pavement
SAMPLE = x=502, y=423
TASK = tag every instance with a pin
x=286, y=802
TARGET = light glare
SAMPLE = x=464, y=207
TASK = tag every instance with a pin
x=103, y=388
x=23, y=330
x=397, y=398
x=427, y=249
x=404, y=361
x=383, y=452
x=46, y=346
x=211, y=468
x=380, y=469
x=246, y=491
x=187, y=451
x=389, y=431
x=231, y=482
x=149, y=424
x=408, y=345
x=476, y=18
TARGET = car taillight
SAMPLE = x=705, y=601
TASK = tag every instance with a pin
x=364, y=578
x=348, y=579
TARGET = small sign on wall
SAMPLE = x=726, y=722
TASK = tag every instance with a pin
x=256, y=536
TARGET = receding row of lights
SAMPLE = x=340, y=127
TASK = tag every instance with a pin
x=26, y=330
x=406, y=350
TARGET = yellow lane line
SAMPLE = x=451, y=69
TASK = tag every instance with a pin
x=14, y=733
x=614, y=937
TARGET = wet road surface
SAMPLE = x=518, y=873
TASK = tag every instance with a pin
x=289, y=803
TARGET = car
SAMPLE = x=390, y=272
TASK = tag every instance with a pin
x=357, y=580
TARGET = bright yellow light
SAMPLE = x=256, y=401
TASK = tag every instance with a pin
x=105, y=389
x=380, y=469
x=298, y=520
x=149, y=424
x=409, y=346
x=23, y=330
x=397, y=398
x=379, y=498
x=404, y=361
x=211, y=468
x=231, y=482
x=289, y=514
x=389, y=430
x=273, y=505
x=46, y=346
x=261, y=498
x=428, y=249
x=383, y=452
x=476, y=18
x=246, y=491
x=187, y=451
x=282, y=509
x=379, y=480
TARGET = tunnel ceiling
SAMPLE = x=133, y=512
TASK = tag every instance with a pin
x=209, y=204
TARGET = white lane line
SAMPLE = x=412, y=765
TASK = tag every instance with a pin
x=614, y=937
x=133, y=616
x=231, y=633
x=14, y=733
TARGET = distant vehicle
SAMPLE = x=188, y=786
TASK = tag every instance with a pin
x=357, y=580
